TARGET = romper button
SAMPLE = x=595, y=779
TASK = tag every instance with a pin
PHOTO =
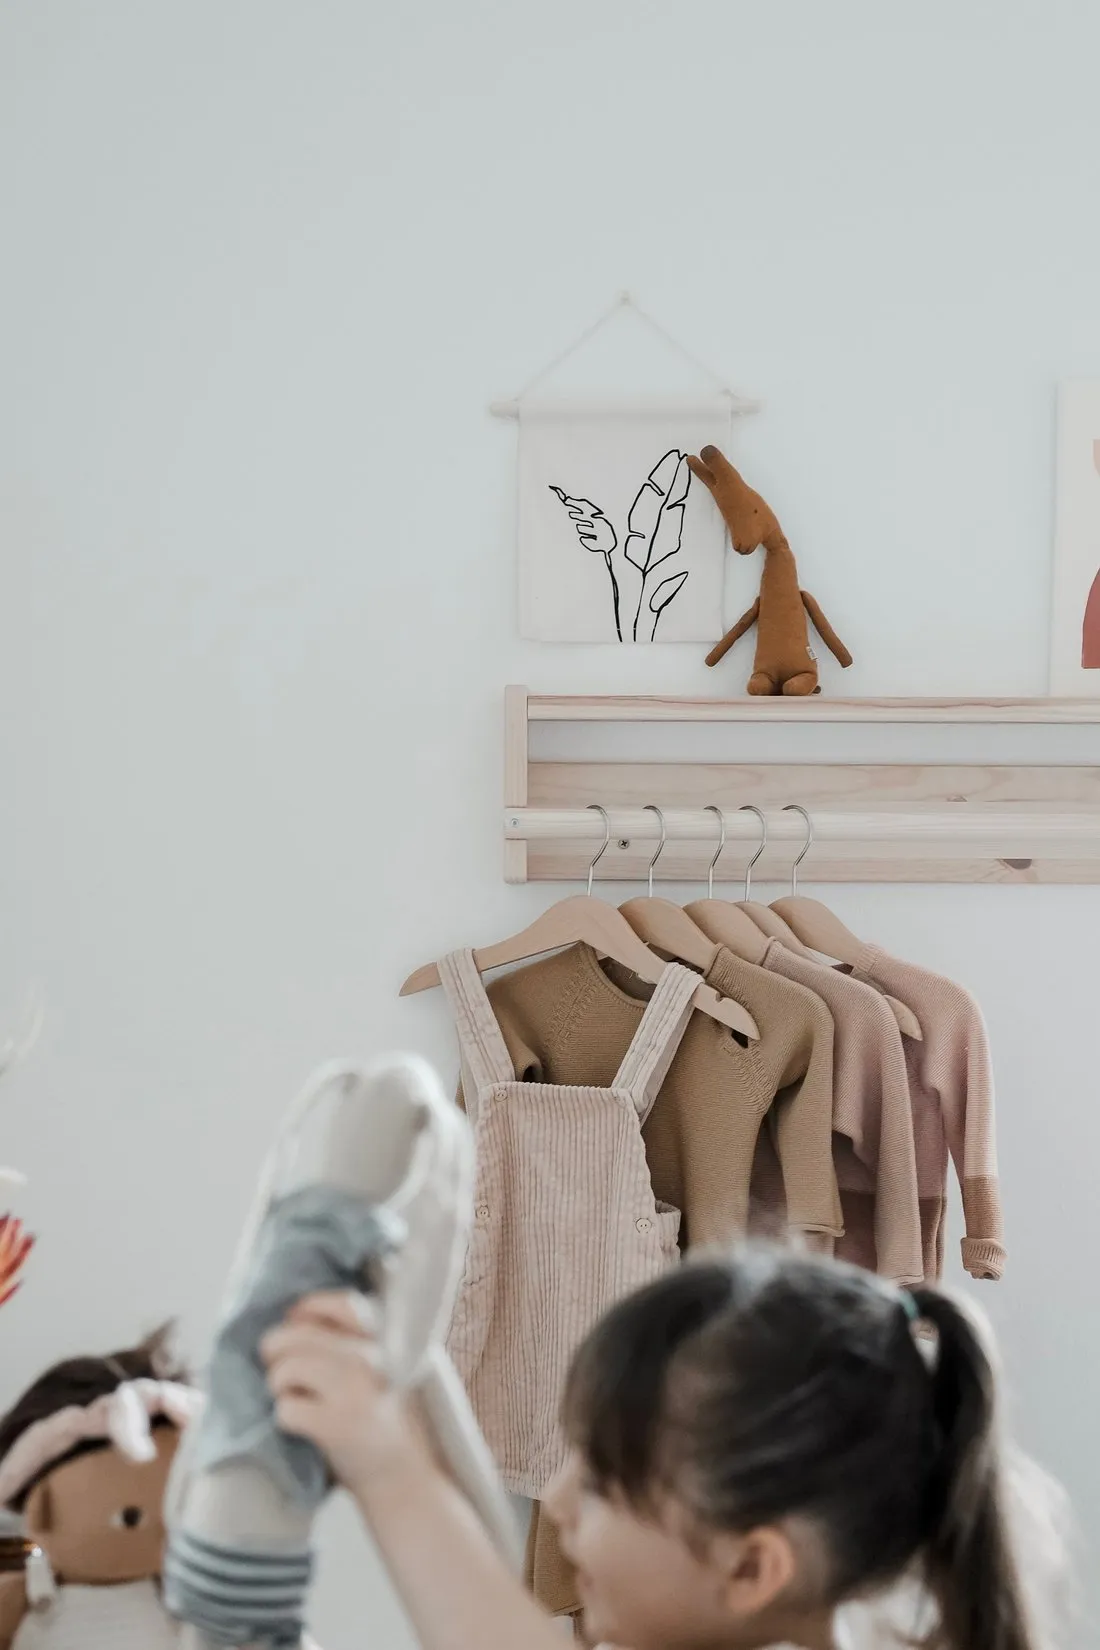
x=643, y=1225
x=482, y=1211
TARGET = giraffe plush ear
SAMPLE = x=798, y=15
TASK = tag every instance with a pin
x=702, y=471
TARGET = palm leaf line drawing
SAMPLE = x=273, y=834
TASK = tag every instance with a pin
x=598, y=535
x=654, y=533
x=665, y=593
x=655, y=525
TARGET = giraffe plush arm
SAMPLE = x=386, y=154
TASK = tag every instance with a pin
x=744, y=624
x=825, y=631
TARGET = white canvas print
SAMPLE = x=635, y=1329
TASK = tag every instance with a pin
x=1075, y=610
x=618, y=542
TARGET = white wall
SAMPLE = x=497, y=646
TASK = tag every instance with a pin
x=263, y=266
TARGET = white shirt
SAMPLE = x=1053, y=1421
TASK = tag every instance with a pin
x=127, y=1616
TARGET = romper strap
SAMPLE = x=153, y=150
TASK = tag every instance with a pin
x=481, y=1044
x=645, y=1065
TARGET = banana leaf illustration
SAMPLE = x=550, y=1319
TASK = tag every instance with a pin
x=655, y=525
x=597, y=533
x=664, y=593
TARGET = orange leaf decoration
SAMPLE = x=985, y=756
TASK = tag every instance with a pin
x=15, y=1246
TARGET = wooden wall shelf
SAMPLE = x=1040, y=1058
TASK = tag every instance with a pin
x=1014, y=712
x=873, y=822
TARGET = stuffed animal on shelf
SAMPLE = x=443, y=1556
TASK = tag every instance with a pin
x=785, y=661
x=84, y=1459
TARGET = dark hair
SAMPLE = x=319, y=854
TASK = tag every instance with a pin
x=81, y=1381
x=765, y=1385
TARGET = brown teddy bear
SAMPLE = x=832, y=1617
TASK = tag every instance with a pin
x=84, y=1458
x=785, y=661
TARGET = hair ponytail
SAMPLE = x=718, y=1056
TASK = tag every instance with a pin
x=971, y=1564
x=759, y=1386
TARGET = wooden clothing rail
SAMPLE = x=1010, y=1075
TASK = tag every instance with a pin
x=872, y=822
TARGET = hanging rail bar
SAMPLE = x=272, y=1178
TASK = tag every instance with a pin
x=1001, y=830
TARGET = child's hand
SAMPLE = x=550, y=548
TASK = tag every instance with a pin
x=323, y=1370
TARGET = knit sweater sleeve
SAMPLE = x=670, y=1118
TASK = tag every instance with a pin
x=794, y=1060
x=872, y=1108
x=803, y=1125
x=968, y=1117
x=897, y=1206
x=956, y=1064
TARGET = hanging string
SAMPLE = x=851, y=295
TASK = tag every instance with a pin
x=625, y=300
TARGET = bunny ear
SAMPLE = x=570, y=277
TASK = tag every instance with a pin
x=128, y=1425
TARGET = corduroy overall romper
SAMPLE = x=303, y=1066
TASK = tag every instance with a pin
x=565, y=1218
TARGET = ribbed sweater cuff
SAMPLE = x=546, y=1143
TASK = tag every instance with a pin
x=983, y=1257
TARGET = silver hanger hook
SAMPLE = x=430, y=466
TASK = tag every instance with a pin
x=751, y=808
x=652, y=808
x=795, y=808
x=606, y=841
x=712, y=809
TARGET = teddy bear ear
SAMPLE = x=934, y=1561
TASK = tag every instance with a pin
x=38, y=1511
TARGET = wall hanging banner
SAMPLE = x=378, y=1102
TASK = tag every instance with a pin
x=618, y=542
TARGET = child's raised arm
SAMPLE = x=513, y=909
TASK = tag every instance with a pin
x=322, y=1368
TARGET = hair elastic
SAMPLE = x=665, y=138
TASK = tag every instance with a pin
x=909, y=1306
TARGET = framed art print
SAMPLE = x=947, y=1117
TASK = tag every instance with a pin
x=1075, y=603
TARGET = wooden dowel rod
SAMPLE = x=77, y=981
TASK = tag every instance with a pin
x=1007, y=830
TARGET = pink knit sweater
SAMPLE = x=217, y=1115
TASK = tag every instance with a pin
x=951, y=1094
x=873, y=1150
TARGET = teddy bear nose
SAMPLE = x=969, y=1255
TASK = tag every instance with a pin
x=131, y=1517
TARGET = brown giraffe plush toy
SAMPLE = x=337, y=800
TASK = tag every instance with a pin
x=785, y=661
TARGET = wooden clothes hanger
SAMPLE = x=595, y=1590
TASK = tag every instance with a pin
x=762, y=916
x=720, y=919
x=664, y=925
x=584, y=919
x=821, y=930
